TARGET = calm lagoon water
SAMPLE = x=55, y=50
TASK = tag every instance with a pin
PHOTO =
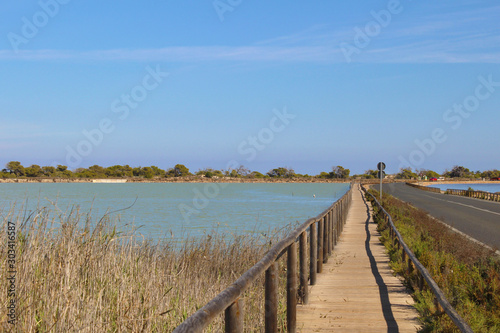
x=182, y=209
x=478, y=187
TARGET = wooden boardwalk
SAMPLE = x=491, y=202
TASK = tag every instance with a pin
x=357, y=291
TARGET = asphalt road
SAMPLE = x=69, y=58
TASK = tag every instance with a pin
x=477, y=218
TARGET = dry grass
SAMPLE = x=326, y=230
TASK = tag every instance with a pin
x=468, y=274
x=75, y=274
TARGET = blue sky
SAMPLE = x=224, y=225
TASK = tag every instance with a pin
x=212, y=83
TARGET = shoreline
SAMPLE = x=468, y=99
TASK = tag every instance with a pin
x=446, y=182
x=168, y=180
x=233, y=180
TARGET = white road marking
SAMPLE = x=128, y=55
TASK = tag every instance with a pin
x=461, y=204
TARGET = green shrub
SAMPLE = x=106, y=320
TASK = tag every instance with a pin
x=467, y=273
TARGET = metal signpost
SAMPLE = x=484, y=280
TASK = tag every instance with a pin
x=381, y=174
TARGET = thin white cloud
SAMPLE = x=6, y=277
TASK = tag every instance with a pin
x=19, y=130
x=183, y=54
x=451, y=37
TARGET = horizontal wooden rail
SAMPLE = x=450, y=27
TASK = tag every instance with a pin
x=465, y=193
x=324, y=229
x=475, y=194
x=425, y=188
x=424, y=273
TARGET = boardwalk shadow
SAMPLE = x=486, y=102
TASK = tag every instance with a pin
x=392, y=325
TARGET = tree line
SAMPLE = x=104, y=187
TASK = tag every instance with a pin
x=15, y=169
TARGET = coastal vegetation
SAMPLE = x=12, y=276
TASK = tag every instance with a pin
x=468, y=273
x=15, y=169
x=79, y=274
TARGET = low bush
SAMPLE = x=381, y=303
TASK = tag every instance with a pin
x=468, y=273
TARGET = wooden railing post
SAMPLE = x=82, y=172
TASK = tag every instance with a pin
x=330, y=217
x=320, y=245
x=325, y=239
x=271, y=302
x=337, y=213
x=329, y=237
x=304, y=289
x=291, y=288
x=313, y=253
x=234, y=317
x=335, y=227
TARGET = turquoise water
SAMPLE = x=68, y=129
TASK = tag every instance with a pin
x=179, y=210
x=492, y=188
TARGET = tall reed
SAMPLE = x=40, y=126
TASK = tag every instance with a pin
x=79, y=274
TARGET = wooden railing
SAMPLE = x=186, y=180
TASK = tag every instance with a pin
x=413, y=263
x=425, y=188
x=475, y=194
x=323, y=231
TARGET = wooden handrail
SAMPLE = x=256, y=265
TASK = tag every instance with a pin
x=225, y=300
x=475, y=194
x=424, y=273
x=466, y=193
x=425, y=188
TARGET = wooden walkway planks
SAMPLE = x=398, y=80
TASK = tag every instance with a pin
x=357, y=291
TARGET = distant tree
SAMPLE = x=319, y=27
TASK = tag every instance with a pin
x=33, y=171
x=16, y=168
x=147, y=172
x=63, y=172
x=256, y=174
x=370, y=174
x=282, y=172
x=127, y=171
x=428, y=173
x=98, y=171
x=459, y=172
x=84, y=173
x=114, y=171
x=324, y=175
x=340, y=172
x=490, y=173
x=137, y=171
x=232, y=173
x=157, y=171
x=209, y=173
x=239, y=172
x=5, y=174
x=48, y=171
x=179, y=170
x=406, y=173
